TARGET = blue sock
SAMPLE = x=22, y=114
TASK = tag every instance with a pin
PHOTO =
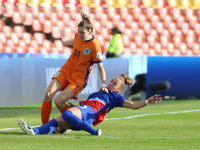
x=47, y=128
x=77, y=123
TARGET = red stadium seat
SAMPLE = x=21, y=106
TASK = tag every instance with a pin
x=43, y=50
x=101, y=40
x=164, y=41
x=47, y=27
x=23, y=45
x=116, y=19
x=28, y=19
x=197, y=28
x=20, y=50
x=65, y=19
x=150, y=12
x=10, y=9
x=22, y=9
x=190, y=41
x=32, y=50
x=73, y=26
x=37, y=26
x=14, y=38
x=106, y=34
x=189, y=13
x=57, y=33
x=167, y=21
x=196, y=49
x=67, y=50
x=111, y=12
x=141, y=20
x=17, y=18
x=7, y=30
x=154, y=34
x=138, y=41
x=132, y=47
x=147, y=28
x=54, y=18
x=183, y=48
x=151, y=41
x=98, y=11
x=27, y=37
x=8, y=49
x=172, y=28
x=2, y=45
x=176, y=12
x=55, y=50
x=41, y=17
x=36, y=46
x=60, y=24
x=124, y=11
x=60, y=10
x=159, y=28
x=170, y=48
x=35, y=9
x=109, y=25
x=104, y=19
x=137, y=12
x=158, y=48
x=192, y=21
x=129, y=20
x=128, y=32
x=152, y=52
x=145, y=48
x=184, y=28
x=11, y=44
x=178, y=33
x=134, y=27
x=154, y=21
x=39, y=37
x=126, y=41
x=177, y=41
x=142, y=34
x=180, y=20
x=68, y=33
x=163, y=12
x=121, y=25
x=126, y=51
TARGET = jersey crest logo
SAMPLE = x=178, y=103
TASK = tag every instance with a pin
x=87, y=51
x=57, y=74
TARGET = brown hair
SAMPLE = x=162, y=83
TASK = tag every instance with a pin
x=85, y=23
x=126, y=80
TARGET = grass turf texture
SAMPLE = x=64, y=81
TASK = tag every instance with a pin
x=178, y=131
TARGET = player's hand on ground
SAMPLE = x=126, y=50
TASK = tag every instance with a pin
x=154, y=99
x=104, y=89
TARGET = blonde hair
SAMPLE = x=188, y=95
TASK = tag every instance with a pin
x=126, y=80
x=85, y=23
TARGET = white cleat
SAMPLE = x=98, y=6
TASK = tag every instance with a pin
x=23, y=125
x=99, y=132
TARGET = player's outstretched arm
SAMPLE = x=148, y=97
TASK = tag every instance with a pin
x=68, y=43
x=152, y=100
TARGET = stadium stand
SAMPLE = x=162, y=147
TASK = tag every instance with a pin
x=162, y=26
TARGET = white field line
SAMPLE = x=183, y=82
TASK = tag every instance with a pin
x=129, y=117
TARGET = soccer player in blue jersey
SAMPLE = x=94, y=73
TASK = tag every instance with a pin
x=91, y=111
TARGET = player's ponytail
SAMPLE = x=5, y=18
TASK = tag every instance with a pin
x=126, y=80
x=85, y=23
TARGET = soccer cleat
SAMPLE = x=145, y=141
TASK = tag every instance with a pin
x=61, y=131
x=26, y=128
x=99, y=132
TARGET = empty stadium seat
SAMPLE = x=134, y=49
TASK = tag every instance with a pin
x=7, y=30
x=124, y=11
x=57, y=33
x=163, y=12
x=196, y=49
x=98, y=11
x=170, y=48
x=126, y=41
x=183, y=48
x=150, y=12
x=172, y=28
x=180, y=20
x=137, y=12
x=23, y=45
x=8, y=49
x=14, y=38
x=128, y=32
x=190, y=41
x=176, y=12
x=154, y=21
x=3, y=38
x=22, y=9
x=35, y=9
x=132, y=47
x=138, y=41
x=154, y=34
x=177, y=41
x=134, y=27
x=192, y=21
x=10, y=9
x=167, y=21
x=36, y=46
x=141, y=20
x=106, y=34
x=197, y=28
x=37, y=26
x=39, y=37
x=28, y=19
x=2, y=47
x=157, y=48
x=68, y=33
x=142, y=34
x=27, y=37
x=104, y=19
x=164, y=41
x=147, y=28
x=151, y=41
x=167, y=34
x=129, y=20
x=11, y=44
x=145, y=48
x=111, y=11
x=184, y=28
x=159, y=27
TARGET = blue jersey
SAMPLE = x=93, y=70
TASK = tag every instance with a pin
x=103, y=102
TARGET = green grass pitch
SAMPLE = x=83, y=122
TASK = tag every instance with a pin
x=170, y=125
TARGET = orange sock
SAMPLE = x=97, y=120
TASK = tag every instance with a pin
x=46, y=111
x=66, y=107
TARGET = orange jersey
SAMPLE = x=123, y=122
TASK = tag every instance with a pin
x=78, y=67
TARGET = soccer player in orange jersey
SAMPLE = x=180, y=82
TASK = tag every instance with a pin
x=75, y=73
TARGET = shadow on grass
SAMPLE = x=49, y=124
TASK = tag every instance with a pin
x=14, y=112
x=7, y=133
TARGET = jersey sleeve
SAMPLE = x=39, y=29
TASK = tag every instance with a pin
x=120, y=99
x=97, y=55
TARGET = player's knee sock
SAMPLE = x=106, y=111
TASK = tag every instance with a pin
x=65, y=108
x=46, y=111
x=77, y=123
x=47, y=128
